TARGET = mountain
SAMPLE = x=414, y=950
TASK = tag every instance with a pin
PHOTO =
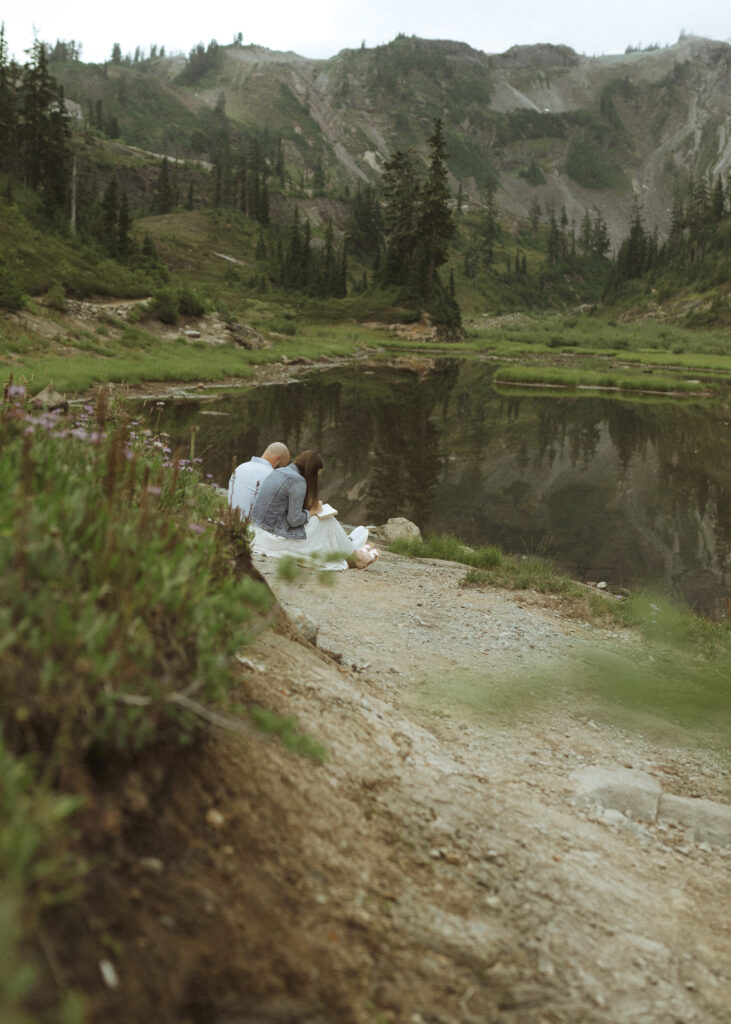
x=541, y=122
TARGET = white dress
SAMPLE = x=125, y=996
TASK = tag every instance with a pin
x=326, y=544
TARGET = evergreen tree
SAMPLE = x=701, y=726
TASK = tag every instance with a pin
x=124, y=223
x=44, y=132
x=488, y=227
x=401, y=190
x=634, y=255
x=436, y=220
x=586, y=235
x=554, y=239
x=364, y=226
x=162, y=197
x=600, y=241
x=110, y=218
x=8, y=109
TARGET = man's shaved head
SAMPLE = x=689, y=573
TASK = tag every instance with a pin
x=276, y=453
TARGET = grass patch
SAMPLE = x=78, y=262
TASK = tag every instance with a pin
x=448, y=549
x=136, y=360
x=573, y=378
x=492, y=567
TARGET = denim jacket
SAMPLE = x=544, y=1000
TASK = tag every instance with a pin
x=278, y=505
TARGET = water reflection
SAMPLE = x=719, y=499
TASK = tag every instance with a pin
x=631, y=492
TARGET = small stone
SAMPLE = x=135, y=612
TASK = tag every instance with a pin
x=153, y=865
x=214, y=818
x=452, y=858
x=360, y=917
x=109, y=973
x=435, y=854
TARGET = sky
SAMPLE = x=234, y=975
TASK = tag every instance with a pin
x=321, y=28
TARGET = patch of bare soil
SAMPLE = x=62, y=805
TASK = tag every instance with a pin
x=437, y=868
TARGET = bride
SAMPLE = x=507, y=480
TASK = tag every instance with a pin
x=289, y=519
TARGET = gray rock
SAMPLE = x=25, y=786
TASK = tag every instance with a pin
x=635, y=794
x=708, y=821
x=304, y=624
x=397, y=528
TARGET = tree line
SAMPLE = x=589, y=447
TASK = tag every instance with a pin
x=35, y=135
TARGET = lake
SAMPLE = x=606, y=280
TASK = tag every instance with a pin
x=630, y=492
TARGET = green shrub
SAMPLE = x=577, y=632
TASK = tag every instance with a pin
x=189, y=303
x=165, y=306
x=116, y=589
x=56, y=297
x=11, y=294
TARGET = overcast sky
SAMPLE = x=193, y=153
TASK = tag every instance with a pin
x=321, y=28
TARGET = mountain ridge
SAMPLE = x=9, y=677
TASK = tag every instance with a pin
x=596, y=132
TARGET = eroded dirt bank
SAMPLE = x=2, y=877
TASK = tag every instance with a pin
x=438, y=867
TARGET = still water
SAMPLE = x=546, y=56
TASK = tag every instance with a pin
x=632, y=492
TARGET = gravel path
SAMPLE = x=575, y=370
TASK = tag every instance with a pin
x=455, y=719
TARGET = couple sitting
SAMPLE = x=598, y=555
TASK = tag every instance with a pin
x=287, y=515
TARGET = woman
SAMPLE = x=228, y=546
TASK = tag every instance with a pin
x=289, y=519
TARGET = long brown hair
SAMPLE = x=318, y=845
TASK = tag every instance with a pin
x=309, y=464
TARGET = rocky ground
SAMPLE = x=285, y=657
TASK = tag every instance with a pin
x=451, y=861
x=465, y=841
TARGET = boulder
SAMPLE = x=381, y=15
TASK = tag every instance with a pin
x=396, y=528
x=50, y=400
x=304, y=625
x=635, y=794
x=709, y=821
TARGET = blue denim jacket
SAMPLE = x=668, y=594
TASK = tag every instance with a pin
x=278, y=505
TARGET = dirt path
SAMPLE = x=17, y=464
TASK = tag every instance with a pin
x=499, y=896
x=439, y=866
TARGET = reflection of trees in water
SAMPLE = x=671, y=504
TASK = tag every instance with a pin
x=407, y=461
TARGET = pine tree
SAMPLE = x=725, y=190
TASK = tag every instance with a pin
x=44, y=133
x=162, y=199
x=110, y=217
x=364, y=226
x=600, y=241
x=401, y=190
x=488, y=227
x=124, y=223
x=436, y=220
x=8, y=109
x=554, y=240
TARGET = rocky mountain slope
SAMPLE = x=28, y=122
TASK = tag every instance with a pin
x=542, y=122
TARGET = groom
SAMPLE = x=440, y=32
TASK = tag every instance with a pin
x=246, y=479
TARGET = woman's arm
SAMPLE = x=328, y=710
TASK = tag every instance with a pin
x=296, y=514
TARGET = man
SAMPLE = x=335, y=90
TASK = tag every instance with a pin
x=246, y=479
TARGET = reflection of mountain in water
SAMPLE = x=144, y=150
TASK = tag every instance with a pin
x=630, y=492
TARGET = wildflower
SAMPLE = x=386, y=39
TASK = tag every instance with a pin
x=196, y=528
x=16, y=391
x=152, y=489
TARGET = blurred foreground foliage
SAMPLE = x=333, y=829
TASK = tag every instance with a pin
x=124, y=594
